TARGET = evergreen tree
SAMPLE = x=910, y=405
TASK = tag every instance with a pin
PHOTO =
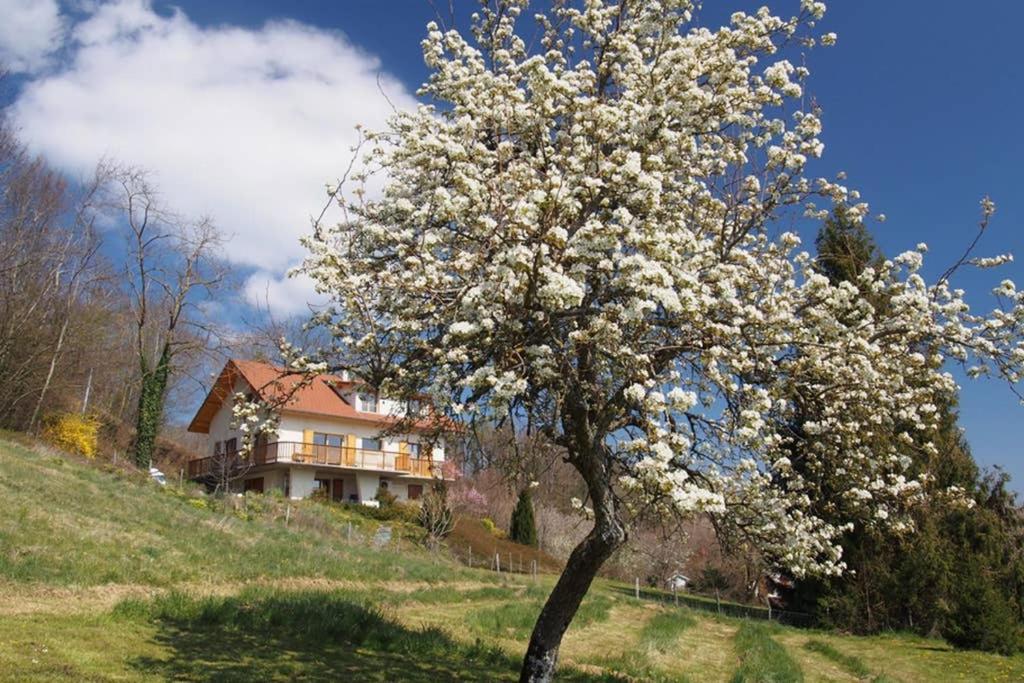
x=845, y=248
x=523, y=529
x=960, y=572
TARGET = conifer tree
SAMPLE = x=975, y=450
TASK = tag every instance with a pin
x=944, y=575
x=523, y=528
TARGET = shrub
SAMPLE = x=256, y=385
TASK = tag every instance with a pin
x=435, y=514
x=395, y=512
x=523, y=528
x=73, y=432
x=385, y=497
x=492, y=528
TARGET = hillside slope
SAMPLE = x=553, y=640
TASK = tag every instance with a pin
x=106, y=576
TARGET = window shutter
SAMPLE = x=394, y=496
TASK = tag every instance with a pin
x=350, y=449
x=307, y=443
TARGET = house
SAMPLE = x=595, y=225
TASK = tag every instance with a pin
x=677, y=582
x=328, y=442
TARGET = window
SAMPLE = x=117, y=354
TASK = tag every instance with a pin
x=368, y=403
x=230, y=446
x=370, y=444
x=413, y=407
x=333, y=440
x=253, y=485
x=415, y=491
x=414, y=450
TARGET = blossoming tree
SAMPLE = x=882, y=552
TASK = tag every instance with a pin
x=581, y=235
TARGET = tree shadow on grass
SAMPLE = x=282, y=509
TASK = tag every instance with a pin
x=262, y=635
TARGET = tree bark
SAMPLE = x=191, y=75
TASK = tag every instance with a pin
x=49, y=372
x=586, y=559
x=561, y=606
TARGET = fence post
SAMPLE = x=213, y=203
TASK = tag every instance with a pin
x=470, y=557
x=636, y=588
x=497, y=562
x=348, y=535
x=288, y=516
x=511, y=566
x=675, y=596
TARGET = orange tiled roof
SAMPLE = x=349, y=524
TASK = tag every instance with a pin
x=273, y=384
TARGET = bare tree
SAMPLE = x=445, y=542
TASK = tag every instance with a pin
x=172, y=267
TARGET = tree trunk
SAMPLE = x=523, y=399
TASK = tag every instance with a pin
x=584, y=562
x=151, y=407
x=49, y=373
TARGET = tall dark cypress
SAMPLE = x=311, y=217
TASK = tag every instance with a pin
x=523, y=528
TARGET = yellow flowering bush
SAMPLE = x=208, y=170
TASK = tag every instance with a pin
x=73, y=432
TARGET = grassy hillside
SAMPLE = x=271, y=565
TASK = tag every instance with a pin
x=108, y=577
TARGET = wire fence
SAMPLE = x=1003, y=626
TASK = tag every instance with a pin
x=723, y=608
x=510, y=562
x=503, y=562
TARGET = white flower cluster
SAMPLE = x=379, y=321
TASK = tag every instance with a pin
x=252, y=418
x=582, y=236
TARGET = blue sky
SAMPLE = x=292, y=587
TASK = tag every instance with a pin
x=919, y=103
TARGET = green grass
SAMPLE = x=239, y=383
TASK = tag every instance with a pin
x=68, y=524
x=852, y=664
x=762, y=659
x=321, y=635
x=107, y=577
x=515, y=619
x=662, y=631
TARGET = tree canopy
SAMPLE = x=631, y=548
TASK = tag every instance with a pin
x=581, y=235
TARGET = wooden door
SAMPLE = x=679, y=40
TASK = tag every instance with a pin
x=338, y=490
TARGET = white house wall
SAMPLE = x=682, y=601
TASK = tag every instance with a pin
x=220, y=425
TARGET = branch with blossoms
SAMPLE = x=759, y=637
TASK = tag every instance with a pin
x=585, y=238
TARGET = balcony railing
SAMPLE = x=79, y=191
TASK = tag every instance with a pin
x=313, y=454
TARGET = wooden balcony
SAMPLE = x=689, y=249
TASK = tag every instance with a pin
x=312, y=454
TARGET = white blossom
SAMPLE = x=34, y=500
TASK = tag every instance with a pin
x=598, y=236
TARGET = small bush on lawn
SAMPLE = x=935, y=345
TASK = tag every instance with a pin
x=73, y=432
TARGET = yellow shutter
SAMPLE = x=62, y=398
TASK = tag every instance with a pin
x=307, y=442
x=350, y=449
x=402, y=461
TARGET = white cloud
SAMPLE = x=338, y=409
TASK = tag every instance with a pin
x=30, y=32
x=243, y=125
x=283, y=296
